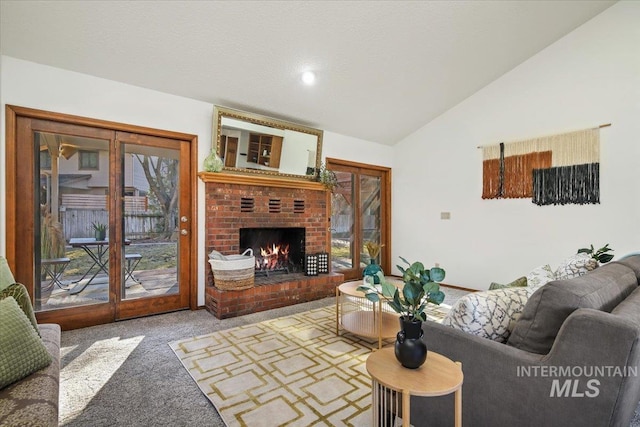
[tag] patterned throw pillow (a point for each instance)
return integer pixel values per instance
(575, 266)
(6, 276)
(540, 276)
(519, 282)
(488, 314)
(20, 294)
(21, 349)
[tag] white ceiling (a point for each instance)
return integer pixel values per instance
(384, 68)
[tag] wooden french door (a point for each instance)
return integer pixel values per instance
(360, 213)
(229, 151)
(71, 177)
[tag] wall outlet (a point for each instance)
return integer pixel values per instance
(445, 215)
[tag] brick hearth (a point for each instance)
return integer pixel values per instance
(234, 202)
(296, 289)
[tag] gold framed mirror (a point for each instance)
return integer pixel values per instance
(256, 144)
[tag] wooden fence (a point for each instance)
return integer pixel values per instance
(77, 223)
(96, 201)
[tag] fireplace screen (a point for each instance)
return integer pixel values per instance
(277, 250)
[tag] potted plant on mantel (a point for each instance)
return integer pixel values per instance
(421, 287)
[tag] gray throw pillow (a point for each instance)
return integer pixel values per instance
(549, 306)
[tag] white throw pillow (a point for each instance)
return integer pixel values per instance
(575, 266)
(540, 276)
(488, 314)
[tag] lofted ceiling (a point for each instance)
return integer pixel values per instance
(384, 68)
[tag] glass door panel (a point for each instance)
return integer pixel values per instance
(151, 194)
(370, 215)
(342, 222)
(71, 196)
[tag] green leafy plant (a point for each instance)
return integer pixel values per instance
(599, 255)
(99, 227)
(421, 286)
(327, 177)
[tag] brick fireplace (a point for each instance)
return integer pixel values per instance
(235, 202)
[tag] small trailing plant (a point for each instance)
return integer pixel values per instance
(327, 177)
(599, 255)
(421, 286)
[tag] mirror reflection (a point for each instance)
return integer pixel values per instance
(253, 143)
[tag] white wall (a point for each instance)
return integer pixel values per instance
(32, 85)
(339, 146)
(588, 78)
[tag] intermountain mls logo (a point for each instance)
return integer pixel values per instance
(575, 381)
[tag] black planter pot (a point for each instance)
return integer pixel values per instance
(410, 350)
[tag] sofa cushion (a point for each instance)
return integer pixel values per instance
(488, 314)
(6, 276)
(630, 307)
(519, 282)
(576, 265)
(549, 306)
(20, 294)
(21, 349)
(633, 262)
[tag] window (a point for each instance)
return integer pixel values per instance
(45, 159)
(88, 160)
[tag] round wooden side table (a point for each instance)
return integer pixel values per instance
(356, 314)
(393, 385)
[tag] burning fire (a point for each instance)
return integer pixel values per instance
(274, 257)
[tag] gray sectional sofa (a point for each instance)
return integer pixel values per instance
(572, 358)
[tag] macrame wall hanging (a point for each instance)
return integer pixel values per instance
(559, 169)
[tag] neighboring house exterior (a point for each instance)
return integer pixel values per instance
(87, 172)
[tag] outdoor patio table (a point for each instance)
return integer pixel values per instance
(98, 251)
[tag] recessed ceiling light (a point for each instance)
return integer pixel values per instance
(308, 77)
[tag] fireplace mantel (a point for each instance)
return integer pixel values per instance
(260, 180)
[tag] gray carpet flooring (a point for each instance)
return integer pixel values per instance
(125, 374)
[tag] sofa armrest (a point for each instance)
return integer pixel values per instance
(504, 385)
(595, 338)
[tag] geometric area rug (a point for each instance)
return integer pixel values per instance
(289, 371)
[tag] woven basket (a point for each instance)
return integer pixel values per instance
(235, 272)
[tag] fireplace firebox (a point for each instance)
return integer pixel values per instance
(277, 250)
